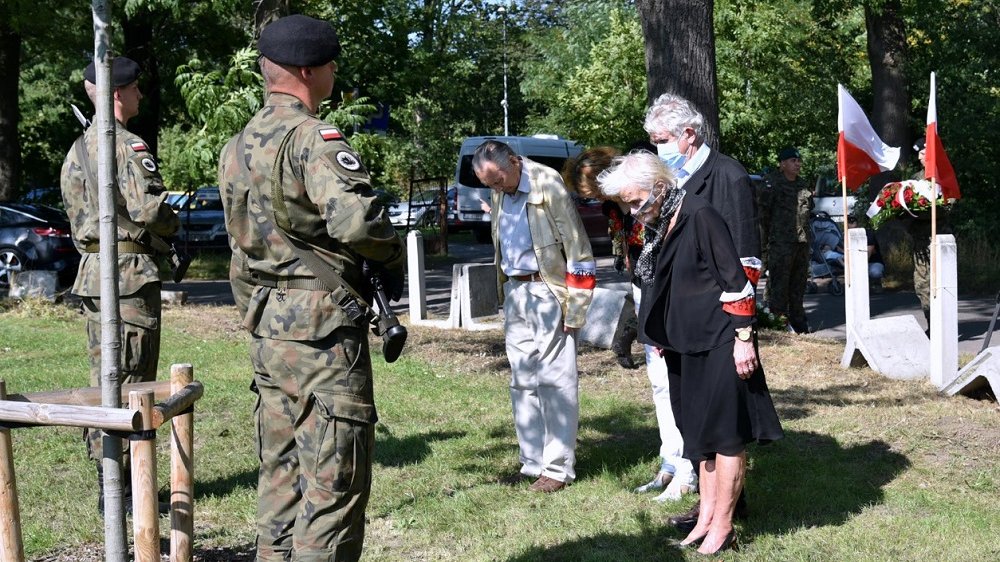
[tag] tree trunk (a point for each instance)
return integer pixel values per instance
(887, 58)
(138, 31)
(680, 55)
(10, 146)
(266, 11)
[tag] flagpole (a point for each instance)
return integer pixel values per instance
(933, 238)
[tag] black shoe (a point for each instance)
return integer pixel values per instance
(729, 543)
(626, 361)
(686, 522)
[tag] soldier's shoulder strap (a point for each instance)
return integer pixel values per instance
(138, 233)
(353, 303)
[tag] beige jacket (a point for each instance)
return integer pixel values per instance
(562, 248)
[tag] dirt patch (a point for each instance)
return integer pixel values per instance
(205, 322)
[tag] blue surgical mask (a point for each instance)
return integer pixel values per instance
(671, 155)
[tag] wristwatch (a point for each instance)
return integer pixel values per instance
(744, 334)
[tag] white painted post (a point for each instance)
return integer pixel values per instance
(415, 276)
(856, 306)
(944, 313)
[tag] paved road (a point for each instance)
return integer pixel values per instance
(825, 311)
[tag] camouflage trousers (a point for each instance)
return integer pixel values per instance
(788, 270)
(314, 417)
(922, 274)
(140, 340)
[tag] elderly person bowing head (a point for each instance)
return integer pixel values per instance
(698, 309)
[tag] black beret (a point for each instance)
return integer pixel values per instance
(299, 40)
(919, 145)
(124, 71)
(788, 152)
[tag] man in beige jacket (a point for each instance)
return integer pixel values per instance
(545, 281)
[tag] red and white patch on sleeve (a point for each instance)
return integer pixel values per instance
(743, 307)
(330, 134)
(138, 146)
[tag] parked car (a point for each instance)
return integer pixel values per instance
(178, 199)
(35, 237)
(50, 196)
(202, 219)
(421, 210)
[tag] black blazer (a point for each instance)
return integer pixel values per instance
(725, 184)
(680, 309)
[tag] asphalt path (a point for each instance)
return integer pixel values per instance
(825, 311)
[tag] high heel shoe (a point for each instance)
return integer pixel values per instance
(731, 542)
(693, 545)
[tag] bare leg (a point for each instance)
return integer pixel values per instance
(708, 488)
(728, 481)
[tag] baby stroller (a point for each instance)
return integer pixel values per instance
(826, 257)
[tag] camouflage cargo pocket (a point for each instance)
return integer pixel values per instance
(343, 441)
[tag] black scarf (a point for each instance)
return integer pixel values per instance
(645, 266)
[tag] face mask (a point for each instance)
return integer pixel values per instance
(641, 210)
(671, 155)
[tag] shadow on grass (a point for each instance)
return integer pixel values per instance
(797, 402)
(393, 451)
(653, 542)
(225, 486)
(810, 480)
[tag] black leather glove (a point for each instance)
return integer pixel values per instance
(393, 282)
(620, 264)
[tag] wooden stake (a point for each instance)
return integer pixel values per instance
(181, 471)
(73, 416)
(145, 508)
(11, 546)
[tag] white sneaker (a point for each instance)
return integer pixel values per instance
(675, 490)
(658, 482)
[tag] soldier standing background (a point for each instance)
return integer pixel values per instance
(142, 214)
(291, 184)
(919, 229)
(785, 205)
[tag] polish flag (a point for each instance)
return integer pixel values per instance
(936, 161)
(860, 153)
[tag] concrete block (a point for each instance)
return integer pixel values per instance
(981, 371)
(895, 346)
(856, 300)
(37, 284)
(944, 310)
(603, 317)
(417, 287)
(477, 286)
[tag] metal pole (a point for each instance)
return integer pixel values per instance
(115, 548)
(506, 120)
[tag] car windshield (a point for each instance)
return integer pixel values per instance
(206, 200)
(36, 212)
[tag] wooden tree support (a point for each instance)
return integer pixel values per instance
(79, 407)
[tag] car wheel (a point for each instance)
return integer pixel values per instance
(11, 261)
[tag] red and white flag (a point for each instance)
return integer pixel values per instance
(936, 161)
(860, 153)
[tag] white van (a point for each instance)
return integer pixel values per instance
(470, 194)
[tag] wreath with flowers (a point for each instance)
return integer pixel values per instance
(901, 198)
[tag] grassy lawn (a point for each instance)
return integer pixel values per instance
(871, 469)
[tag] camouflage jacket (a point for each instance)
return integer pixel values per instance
(329, 204)
(784, 209)
(140, 192)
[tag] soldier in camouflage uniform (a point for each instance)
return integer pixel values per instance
(315, 410)
(919, 230)
(785, 205)
(141, 200)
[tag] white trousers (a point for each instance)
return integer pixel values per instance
(671, 442)
(544, 386)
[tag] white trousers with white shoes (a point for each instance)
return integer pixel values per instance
(544, 386)
(671, 442)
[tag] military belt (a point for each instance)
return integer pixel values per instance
(124, 247)
(279, 282)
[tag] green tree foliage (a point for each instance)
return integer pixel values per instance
(958, 40)
(585, 77)
(779, 65)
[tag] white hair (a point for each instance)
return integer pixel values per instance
(638, 168)
(671, 113)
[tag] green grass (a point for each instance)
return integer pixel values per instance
(870, 469)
